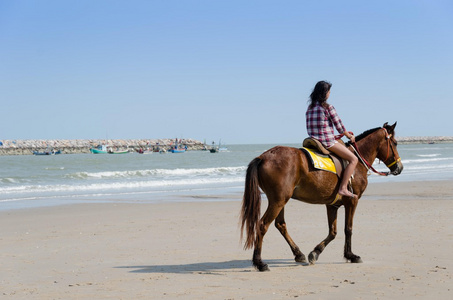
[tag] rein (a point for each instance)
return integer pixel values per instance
(365, 162)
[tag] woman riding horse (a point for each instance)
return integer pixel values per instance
(284, 172)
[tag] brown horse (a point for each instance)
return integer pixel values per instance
(283, 173)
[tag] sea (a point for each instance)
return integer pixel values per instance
(36, 181)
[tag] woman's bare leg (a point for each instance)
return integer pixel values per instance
(344, 153)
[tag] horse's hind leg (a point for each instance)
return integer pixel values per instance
(271, 213)
(281, 226)
(332, 221)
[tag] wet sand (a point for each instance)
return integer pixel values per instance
(402, 231)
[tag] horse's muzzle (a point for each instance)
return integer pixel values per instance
(396, 169)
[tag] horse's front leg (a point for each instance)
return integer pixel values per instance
(281, 226)
(350, 207)
(332, 221)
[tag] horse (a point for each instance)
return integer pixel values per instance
(283, 173)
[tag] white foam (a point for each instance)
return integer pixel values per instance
(159, 172)
(428, 155)
(27, 189)
(425, 160)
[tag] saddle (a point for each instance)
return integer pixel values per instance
(313, 145)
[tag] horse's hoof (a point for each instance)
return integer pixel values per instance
(300, 259)
(312, 257)
(356, 260)
(263, 268)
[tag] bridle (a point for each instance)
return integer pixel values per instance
(390, 145)
(368, 165)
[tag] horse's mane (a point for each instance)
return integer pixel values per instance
(363, 135)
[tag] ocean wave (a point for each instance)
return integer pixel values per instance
(426, 160)
(158, 173)
(429, 167)
(429, 155)
(8, 180)
(27, 189)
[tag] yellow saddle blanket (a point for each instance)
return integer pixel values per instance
(321, 162)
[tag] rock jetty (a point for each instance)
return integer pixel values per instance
(425, 140)
(27, 147)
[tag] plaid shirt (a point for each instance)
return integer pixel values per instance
(320, 124)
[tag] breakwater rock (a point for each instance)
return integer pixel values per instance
(425, 139)
(27, 147)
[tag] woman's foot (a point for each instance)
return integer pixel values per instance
(346, 193)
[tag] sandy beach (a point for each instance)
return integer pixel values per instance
(191, 250)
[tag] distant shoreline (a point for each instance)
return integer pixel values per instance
(26, 147)
(425, 140)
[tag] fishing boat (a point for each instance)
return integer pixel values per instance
(146, 151)
(118, 152)
(177, 150)
(215, 149)
(50, 152)
(102, 149)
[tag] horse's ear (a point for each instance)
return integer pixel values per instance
(385, 124)
(390, 129)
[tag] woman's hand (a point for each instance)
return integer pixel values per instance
(350, 136)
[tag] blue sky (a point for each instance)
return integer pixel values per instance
(240, 71)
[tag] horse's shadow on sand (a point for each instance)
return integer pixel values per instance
(209, 267)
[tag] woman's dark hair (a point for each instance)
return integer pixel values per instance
(319, 94)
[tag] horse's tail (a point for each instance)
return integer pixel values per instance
(251, 205)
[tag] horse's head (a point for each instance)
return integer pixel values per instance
(387, 151)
